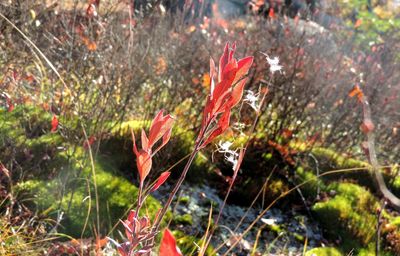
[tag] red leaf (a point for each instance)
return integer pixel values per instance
(165, 140)
(89, 142)
(367, 126)
(356, 91)
(243, 68)
(168, 245)
(131, 215)
(160, 125)
(212, 75)
(222, 125)
(296, 20)
(10, 105)
(134, 143)
(145, 141)
(231, 67)
(271, 13)
(54, 124)
(358, 23)
(163, 177)
(143, 164)
(226, 58)
(237, 93)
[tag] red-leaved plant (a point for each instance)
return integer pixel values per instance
(227, 85)
(226, 91)
(138, 229)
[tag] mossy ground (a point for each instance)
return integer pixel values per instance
(62, 184)
(348, 212)
(59, 181)
(324, 251)
(349, 215)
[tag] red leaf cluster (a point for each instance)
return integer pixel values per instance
(137, 230)
(226, 93)
(160, 128)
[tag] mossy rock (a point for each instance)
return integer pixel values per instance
(324, 251)
(350, 214)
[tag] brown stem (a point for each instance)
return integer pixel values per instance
(373, 159)
(176, 188)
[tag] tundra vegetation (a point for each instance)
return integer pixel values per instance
(200, 127)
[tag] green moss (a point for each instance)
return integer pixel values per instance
(267, 156)
(188, 244)
(210, 203)
(324, 251)
(185, 219)
(340, 161)
(395, 221)
(124, 129)
(350, 214)
(298, 237)
(310, 189)
(76, 198)
(184, 200)
(276, 187)
(277, 229)
(329, 160)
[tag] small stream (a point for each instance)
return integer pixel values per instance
(283, 233)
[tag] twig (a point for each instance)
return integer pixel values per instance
(379, 228)
(392, 199)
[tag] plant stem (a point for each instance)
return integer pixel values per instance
(139, 200)
(196, 149)
(176, 188)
